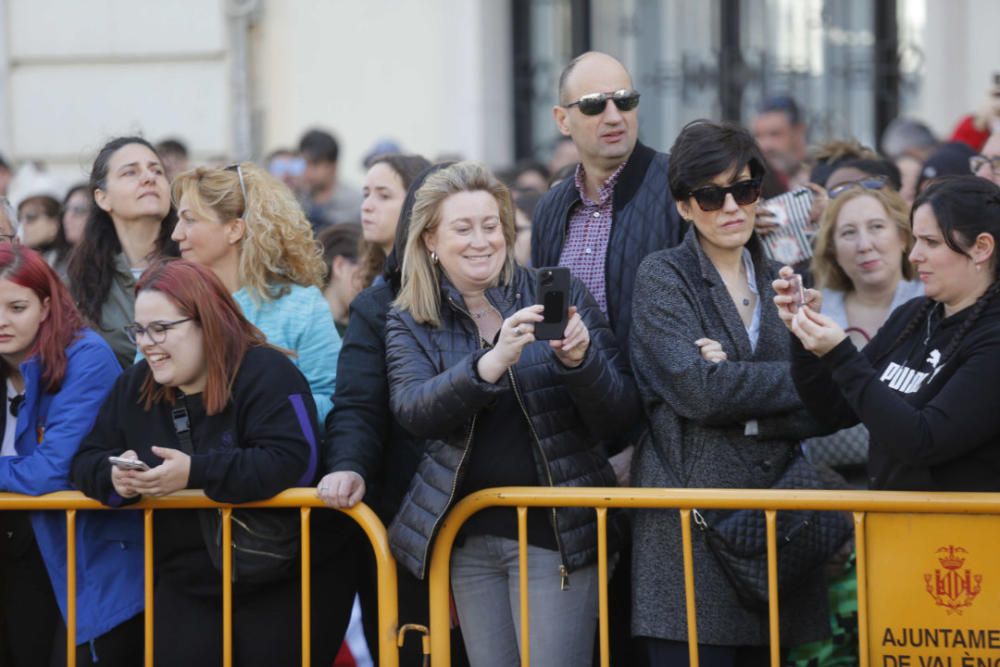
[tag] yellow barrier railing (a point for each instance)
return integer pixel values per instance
(601, 499)
(303, 499)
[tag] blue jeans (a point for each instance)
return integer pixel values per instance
(485, 582)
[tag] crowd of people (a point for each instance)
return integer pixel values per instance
(244, 329)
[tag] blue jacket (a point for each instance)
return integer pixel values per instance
(109, 547)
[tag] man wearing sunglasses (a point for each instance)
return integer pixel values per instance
(602, 223)
(617, 209)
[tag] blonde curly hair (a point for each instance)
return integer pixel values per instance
(277, 248)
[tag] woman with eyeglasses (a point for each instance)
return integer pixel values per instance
(248, 228)
(388, 178)
(923, 385)
(711, 362)
(55, 375)
(129, 227)
(251, 433)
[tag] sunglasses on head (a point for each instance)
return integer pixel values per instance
(593, 104)
(869, 183)
(713, 197)
(243, 187)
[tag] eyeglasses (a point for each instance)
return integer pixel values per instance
(869, 183)
(243, 185)
(713, 197)
(977, 162)
(157, 331)
(78, 210)
(595, 103)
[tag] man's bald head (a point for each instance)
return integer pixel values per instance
(587, 61)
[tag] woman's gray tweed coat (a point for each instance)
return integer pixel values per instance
(697, 410)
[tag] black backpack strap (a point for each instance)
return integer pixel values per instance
(182, 424)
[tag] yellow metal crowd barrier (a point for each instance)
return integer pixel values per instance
(303, 499)
(684, 500)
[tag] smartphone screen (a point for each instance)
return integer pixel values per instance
(555, 306)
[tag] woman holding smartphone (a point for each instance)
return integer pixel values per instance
(922, 385)
(251, 433)
(711, 362)
(497, 407)
(56, 374)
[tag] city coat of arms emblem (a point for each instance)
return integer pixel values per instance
(953, 587)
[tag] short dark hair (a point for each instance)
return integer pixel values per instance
(704, 149)
(319, 145)
(172, 146)
(786, 104)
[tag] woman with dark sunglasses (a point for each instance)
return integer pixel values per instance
(711, 362)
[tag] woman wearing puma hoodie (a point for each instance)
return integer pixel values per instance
(924, 385)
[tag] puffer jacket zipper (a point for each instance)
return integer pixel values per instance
(451, 496)
(563, 571)
(461, 461)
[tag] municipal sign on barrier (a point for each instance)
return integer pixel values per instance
(933, 590)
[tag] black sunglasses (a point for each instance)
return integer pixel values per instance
(713, 197)
(593, 104)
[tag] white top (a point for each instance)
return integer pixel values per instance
(10, 427)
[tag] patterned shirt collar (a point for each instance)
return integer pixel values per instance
(606, 190)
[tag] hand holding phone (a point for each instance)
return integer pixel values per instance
(128, 464)
(798, 291)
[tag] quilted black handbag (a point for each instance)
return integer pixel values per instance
(806, 539)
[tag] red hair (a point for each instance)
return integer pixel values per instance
(25, 267)
(199, 294)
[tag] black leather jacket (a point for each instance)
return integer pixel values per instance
(436, 393)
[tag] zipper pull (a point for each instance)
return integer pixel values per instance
(563, 578)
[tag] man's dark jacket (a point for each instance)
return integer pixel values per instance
(645, 220)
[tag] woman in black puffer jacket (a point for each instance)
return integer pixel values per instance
(498, 408)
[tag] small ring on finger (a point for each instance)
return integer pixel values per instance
(517, 330)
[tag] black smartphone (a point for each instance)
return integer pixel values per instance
(552, 291)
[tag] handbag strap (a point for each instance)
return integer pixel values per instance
(182, 424)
